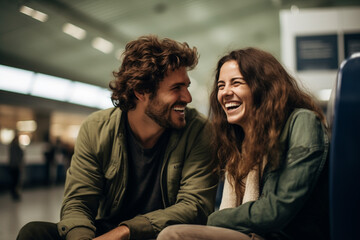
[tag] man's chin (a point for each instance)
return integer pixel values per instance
(179, 123)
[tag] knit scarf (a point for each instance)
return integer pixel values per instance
(251, 193)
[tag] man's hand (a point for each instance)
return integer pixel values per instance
(119, 233)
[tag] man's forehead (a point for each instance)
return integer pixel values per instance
(177, 76)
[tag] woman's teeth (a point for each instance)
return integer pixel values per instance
(232, 105)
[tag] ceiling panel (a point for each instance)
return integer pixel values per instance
(213, 26)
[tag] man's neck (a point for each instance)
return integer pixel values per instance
(146, 131)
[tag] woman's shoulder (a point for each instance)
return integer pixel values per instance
(303, 118)
(304, 126)
(303, 114)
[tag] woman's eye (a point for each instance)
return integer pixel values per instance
(220, 86)
(238, 83)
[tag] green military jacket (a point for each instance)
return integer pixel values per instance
(97, 178)
(294, 198)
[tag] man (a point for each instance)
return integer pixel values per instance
(144, 167)
(16, 162)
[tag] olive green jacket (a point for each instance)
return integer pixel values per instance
(294, 198)
(97, 178)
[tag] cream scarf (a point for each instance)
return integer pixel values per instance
(252, 189)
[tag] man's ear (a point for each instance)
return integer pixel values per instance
(140, 95)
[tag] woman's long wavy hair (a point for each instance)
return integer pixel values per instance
(145, 63)
(275, 95)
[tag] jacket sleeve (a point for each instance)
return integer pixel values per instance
(82, 190)
(195, 196)
(286, 189)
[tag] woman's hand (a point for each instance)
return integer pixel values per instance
(119, 233)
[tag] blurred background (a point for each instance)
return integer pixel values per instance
(57, 59)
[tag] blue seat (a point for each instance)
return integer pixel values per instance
(345, 153)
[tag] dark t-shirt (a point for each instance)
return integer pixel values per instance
(143, 193)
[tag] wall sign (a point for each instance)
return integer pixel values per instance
(317, 52)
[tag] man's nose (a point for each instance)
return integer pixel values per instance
(186, 96)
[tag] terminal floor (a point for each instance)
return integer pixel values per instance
(36, 204)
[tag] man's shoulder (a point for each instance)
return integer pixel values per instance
(104, 115)
(102, 125)
(194, 116)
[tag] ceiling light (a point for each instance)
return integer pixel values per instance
(24, 139)
(26, 126)
(51, 87)
(6, 135)
(26, 10)
(74, 31)
(90, 95)
(40, 16)
(104, 99)
(84, 94)
(102, 45)
(15, 80)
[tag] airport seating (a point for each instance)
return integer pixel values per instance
(345, 152)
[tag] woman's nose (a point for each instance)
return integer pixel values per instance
(227, 90)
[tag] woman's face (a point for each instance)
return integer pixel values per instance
(234, 94)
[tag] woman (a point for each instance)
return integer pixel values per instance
(271, 142)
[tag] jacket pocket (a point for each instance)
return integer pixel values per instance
(174, 172)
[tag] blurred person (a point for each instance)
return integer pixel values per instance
(57, 160)
(271, 144)
(58, 168)
(68, 152)
(49, 155)
(16, 162)
(143, 165)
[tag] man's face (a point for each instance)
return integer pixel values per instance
(167, 106)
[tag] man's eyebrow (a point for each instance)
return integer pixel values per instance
(181, 84)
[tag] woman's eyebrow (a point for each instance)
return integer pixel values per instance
(232, 79)
(235, 78)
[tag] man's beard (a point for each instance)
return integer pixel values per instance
(160, 113)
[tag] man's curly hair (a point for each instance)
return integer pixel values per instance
(145, 63)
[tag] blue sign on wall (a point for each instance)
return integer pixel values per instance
(317, 52)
